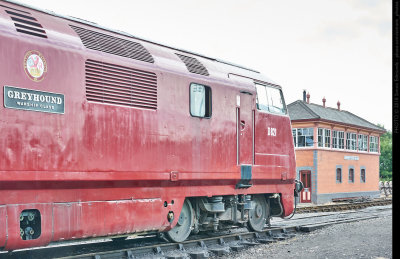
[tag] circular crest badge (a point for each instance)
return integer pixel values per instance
(35, 65)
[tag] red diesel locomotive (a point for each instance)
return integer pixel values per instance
(106, 134)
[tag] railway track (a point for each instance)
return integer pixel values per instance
(200, 246)
(344, 206)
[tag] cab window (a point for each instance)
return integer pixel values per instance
(200, 100)
(270, 99)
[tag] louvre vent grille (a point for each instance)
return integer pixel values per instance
(25, 23)
(193, 65)
(113, 45)
(113, 84)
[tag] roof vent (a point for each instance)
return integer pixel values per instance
(113, 45)
(193, 65)
(25, 23)
(118, 85)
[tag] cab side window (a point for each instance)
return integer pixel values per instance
(200, 100)
(270, 99)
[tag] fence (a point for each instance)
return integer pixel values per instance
(385, 188)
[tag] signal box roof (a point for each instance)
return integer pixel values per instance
(303, 111)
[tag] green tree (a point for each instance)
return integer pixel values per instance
(385, 160)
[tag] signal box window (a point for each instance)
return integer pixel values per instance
(303, 137)
(338, 139)
(351, 175)
(338, 175)
(200, 101)
(362, 175)
(362, 142)
(324, 137)
(270, 99)
(373, 144)
(351, 141)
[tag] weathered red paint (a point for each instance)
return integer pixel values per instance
(101, 170)
(245, 128)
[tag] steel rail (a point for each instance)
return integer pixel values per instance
(344, 206)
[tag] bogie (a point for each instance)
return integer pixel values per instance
(222, 212)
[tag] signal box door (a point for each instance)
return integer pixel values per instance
(305, 195)
(244, 129)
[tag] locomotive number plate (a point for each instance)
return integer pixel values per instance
(32, 100)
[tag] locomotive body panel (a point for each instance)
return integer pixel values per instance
(102, 169)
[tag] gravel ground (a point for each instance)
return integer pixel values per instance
(364, 239)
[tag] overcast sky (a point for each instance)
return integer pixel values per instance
(340, 50)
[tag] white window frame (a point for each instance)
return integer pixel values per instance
(325, 135)
(337, 139)
(306, 136)
(362, 142)
(341, 139)
(351, 141)
(373, 144)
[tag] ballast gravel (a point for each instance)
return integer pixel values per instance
(364, 239)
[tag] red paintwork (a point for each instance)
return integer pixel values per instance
(101, 170)
(246, 129)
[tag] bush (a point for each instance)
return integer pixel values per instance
(385, 176)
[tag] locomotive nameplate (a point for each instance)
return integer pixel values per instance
(32, 100)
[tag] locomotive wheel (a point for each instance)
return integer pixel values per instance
(184, 226)
(259, 214)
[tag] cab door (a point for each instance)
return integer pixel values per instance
(245, 138)
(245, 128)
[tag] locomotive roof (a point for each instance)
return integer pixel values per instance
(93, 24)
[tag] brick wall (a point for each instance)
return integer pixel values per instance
(328, 161)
